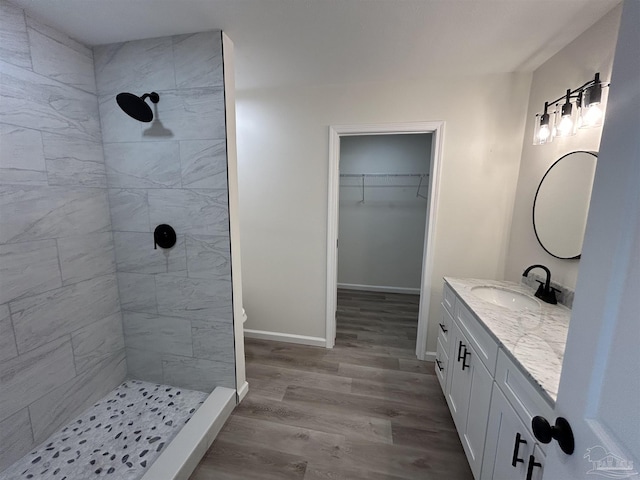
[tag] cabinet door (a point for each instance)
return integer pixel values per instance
(475, 429)
(468, 397)
(459, 383)
(509, 444)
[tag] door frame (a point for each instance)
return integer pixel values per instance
(436, 129)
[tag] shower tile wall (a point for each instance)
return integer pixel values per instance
(61, 337)
(177, 310)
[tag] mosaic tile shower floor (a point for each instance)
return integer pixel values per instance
(117, 438)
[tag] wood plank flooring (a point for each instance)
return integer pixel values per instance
(366, 409)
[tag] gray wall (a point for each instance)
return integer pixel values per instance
(177, 310)
(61, 342)
(382, 239)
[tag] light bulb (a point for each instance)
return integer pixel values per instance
(544, 133)
(566, 126)
(593, 116)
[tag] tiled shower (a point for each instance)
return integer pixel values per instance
(85, 300)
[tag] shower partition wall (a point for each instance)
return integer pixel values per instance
(176, 303)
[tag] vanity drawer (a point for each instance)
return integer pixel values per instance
(448, 298)
(442, 364)
(486, 347)
(444, 326)
(519, 390)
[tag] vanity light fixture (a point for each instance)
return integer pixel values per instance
(579, 108)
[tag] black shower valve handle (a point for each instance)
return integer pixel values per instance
(164, 236)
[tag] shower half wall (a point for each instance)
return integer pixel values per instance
(177, 303)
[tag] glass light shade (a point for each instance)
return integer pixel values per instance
(542, 129)
(591, 116)
(567, 120)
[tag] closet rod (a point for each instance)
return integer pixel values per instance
(384, 174)
(403, 185)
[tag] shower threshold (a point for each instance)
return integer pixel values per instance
(119, 437)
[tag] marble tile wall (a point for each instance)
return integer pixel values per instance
(61, 335)
(176, 303)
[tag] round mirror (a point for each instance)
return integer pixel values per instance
(562, 203)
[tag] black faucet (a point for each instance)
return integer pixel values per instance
(545, 292)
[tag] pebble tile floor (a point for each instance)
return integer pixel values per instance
(117, 438)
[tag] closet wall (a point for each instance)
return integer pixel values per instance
(381, 228)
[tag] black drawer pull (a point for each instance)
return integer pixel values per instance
(440, 367)
(460, 347)
(444, 330)
(532, 464)
(516, 448)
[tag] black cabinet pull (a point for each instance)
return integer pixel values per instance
(516, 448)
(460, 346)
(440, 367)
(444, 330)
(464, 358)
(532, 464)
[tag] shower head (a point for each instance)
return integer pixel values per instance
(136, 107)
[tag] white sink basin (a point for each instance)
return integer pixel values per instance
(506, 298)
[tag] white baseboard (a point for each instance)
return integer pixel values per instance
(429, 356)
(285, 337)
(182, 455)
(379, 288)
(242, 391)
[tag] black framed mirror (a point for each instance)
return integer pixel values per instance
(561, 204)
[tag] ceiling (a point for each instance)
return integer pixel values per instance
(314, 42)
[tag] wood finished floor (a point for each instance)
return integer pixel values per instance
(367, 409)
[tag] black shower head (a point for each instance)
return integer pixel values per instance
(136, 107)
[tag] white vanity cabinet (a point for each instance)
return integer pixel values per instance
(491, 400)
(468, 396)
(465, 362)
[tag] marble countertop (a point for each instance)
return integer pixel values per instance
(535, 339)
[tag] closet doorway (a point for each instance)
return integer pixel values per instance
(382, 196)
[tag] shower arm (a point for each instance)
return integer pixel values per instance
(153, 96)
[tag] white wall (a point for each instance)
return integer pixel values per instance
(283, 169)
(574, 65)
(382, 238)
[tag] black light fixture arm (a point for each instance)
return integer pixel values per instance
(576, 93)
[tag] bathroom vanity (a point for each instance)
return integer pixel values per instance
(499, 358)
